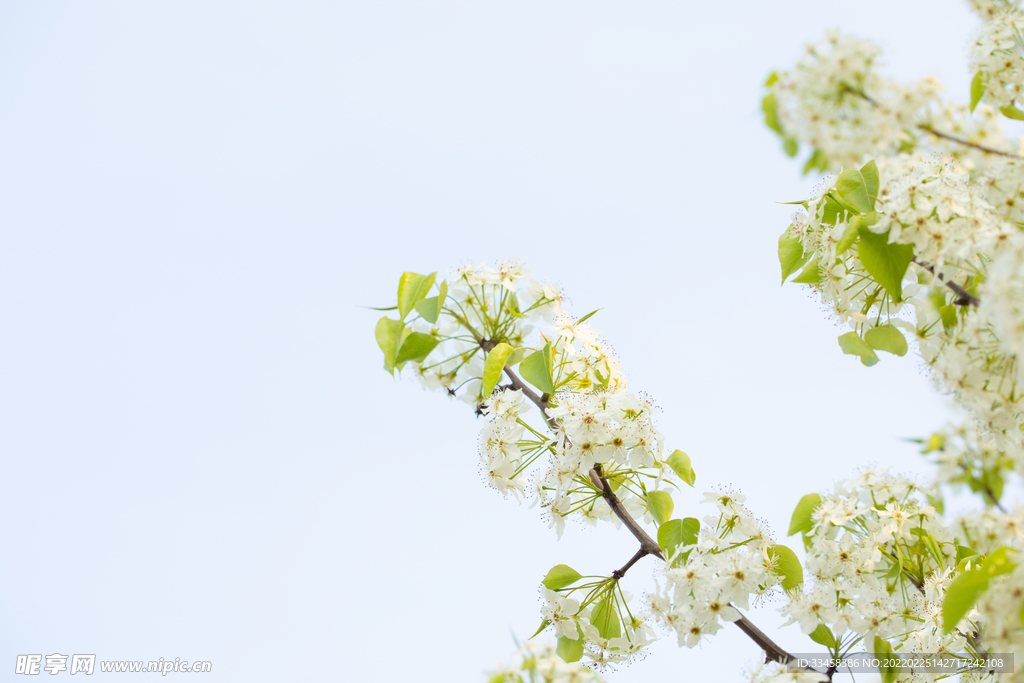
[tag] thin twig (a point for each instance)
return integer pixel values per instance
(648, 546)
(982, 148)
(619, 573)
(964, 298)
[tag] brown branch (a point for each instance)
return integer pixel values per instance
(648, 546)
(928, 129)
(964, 298)
(619, 573)
(945, 136)
(772, 652)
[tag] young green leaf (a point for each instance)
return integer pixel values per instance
(536, 369)
(786, 565)
(660, 504)
(810, 275)
(887, 669)
(771, 113)
(543, 625)
(869, 172)
(430, 308)
(389, 335)
(977, 90)
(833, 211)
(1011, 112)
(855, 346)
(801, 521)
(569, 650)
(790, 146)
(886, 338)
(560, 576)
(680, 464)
(948, 315)
(413, 287)
(605, 618)
(855, 189)
(817, 162)
(886, 263)
(493, 367)
(791, 253)
(966, 588)
(823, 636)
(677, 532)
(587, 316)
(416, 347)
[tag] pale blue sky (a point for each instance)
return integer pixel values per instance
(201, 455)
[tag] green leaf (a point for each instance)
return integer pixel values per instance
(977, 90)
(389, 336)
(888, 670)
(791, 253)
(1011, 112)
(869, 172)
(855, 189)
(852, 231)
(560, 576)
(790, 146)
(569, 650)
(660, 505)
(855, 346)
(886, 338)
(771, 113)
(966, 588)
(787, 566)
(416, 347)
(817, 162)
(833, 210)
(543, 625)
(517, 355)
(961, 596)
(411, 289)
(430, 308)
(801, 521)
(605, 618)
(493, 367)
(963, 552)
(810, 275)
(587, 316)
(886, 263)
(677, 532)
(948, 315)
(680, 464)
(823, 636)
(536, 369)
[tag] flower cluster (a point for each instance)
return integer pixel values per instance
(997, 57)
(835, 101)
(969, 457)
(707, 581)
(879, 559)
(536, 662)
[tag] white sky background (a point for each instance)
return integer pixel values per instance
(200, 453)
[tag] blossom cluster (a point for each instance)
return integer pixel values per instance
(878, 555)
(535, 662)
(835, 101)
(706, 583)
(997, 56)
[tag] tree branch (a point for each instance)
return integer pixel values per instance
(981, 148)
(964, 298)
(619, 573)
(772, 652)
(648, 546)
(928, 129)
